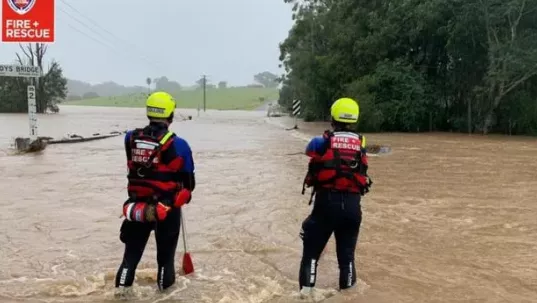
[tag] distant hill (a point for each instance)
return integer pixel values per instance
(82, 90)
(231, 98)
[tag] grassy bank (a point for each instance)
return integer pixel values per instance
(242, 98)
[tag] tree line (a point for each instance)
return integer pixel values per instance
(263, 79)
(416, 65)
(79, 90)
(53, 88)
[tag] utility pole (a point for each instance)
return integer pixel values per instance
(314, 95)
(204, 93)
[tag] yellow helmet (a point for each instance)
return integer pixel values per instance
(345, 110)
(160, 105)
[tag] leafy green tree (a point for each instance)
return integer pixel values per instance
(90, 95)
(164, 84)
(51, 87)
(148, 81)
(267, 79)
(416, 65)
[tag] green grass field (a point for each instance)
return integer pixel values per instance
(239, 98)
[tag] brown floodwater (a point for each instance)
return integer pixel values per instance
(450, 218)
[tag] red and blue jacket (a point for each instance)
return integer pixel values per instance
(338, 161)
(159, 164)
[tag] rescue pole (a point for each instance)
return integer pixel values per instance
(188, 265)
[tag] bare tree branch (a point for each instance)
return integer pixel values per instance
(24, 51)
(529, 11)
(513, 24)
(32, 53)
(525, 77)
(19, 59)
(521, 12)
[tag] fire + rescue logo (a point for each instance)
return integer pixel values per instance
(21, 7)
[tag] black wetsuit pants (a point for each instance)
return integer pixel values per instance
(340, 213)
(135, 236)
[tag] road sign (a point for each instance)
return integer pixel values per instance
(32, 109)
(20, 71)
(296, 107)
(28, 72)
(28, 21)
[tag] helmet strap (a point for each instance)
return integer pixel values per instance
(166, 121)
(170, 119)
(339, 126)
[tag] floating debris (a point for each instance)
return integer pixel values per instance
(25, 145)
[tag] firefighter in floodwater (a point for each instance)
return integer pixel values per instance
(337, 173)
(160, 181)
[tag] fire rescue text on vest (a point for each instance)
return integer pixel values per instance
(25, 29)
(142, 155)
(346, 143)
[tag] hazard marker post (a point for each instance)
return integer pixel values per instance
(296, 111)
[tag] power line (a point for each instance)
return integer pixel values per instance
(80, 22)
(90, 37)
(93, 22)
(204, 79)
(115, 37)
(152, 64)
(94, 39)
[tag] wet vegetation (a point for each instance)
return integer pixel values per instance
(232, 98)
(51, 89)
(416, 65)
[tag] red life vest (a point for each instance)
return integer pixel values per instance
(343, 166)
(153, 167)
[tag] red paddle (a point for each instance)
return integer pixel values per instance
(188, 266)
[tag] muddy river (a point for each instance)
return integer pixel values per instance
(451, 218)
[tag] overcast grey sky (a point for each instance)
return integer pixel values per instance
(225, 39)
